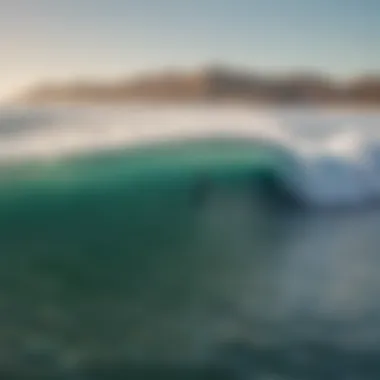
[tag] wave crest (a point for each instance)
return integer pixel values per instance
(324, 158)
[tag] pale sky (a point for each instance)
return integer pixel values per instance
(43, 40)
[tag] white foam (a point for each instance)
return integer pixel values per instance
(335, 155)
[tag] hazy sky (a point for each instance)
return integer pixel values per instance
(44, 39)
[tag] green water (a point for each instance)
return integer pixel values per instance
(113, 267)
(111, 259)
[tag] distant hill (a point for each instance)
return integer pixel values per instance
(214, 84)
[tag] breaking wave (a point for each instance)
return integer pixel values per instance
(323, 158)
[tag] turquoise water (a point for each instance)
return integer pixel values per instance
(171, 262)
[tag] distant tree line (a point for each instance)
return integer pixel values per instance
(216, 84)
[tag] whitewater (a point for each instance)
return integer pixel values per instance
(332, 156)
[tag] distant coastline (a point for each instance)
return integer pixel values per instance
(215, 84)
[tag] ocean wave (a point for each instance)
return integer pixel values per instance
(324, 158)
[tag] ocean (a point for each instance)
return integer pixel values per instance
(189, 242)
